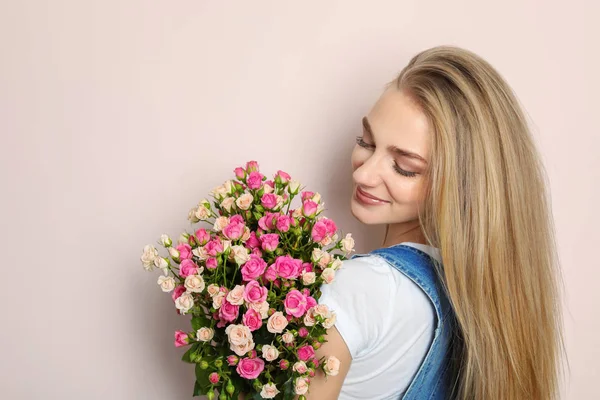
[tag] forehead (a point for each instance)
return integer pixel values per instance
(396, 119)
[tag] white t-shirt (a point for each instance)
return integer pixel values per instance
(387, 322)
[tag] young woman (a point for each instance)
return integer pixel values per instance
(462, 299)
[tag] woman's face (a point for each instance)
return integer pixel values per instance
(382, 164)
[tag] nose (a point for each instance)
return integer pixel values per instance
(368, 173)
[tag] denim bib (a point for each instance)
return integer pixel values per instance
(431, 381)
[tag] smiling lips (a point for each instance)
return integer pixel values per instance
(366, 198)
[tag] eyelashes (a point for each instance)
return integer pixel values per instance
(362, 143)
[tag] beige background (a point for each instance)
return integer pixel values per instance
(118, 116)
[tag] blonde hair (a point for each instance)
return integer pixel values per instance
(487, 210)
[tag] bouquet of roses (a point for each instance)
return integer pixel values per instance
(251, 282)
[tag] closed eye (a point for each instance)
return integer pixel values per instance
(362, 143)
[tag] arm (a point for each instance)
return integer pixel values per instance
(323, 387)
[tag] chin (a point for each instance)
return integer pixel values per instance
(363, 215)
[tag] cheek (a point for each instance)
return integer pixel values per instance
(406, 192)
(357, 158)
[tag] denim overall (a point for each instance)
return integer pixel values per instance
(432, 379)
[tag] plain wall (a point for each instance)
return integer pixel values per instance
(117, 117)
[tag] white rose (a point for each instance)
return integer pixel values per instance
(301, 386)
(220, 223)
(238, 334)
(162, 263)
(330, 321)
(165, 240)
(242, 349)
(324, 260)
(213, 290)
(269, 352)
(309, 317)
(174, 253)
(246, 234)
(205, 334)
(218, 300)
(300, 367)
(202, 213)
(184, 302)
(279, 203)
(192, 215)
(322, 310)
(328, 275)
(261, 308)
(297, 213)
(269, 391)
(148, 256)
(277, 322)
(236, 296)
(200, 252)
(228, 186)
(226, 245)
(240, 254)
(287, 337)
(267, 188)
(219, 192)
(348, 243)
(227, 203)
(194, 283)
(326, 240)
(317, 254)
(183, 238)
(331, 366)
(244, 201)
(308, 278)
(167, 283)
(336, 264)
(293, 187)
(316, 197)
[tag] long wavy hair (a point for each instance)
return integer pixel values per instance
(487, 208)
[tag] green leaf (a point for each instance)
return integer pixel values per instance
(197, 390)
(186, 356)
(199, 321)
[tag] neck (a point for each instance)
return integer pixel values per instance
(403, 232)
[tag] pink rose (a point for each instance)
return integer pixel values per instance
(303, 332)
(203, 236)
(253, 241)
(309, 208)
(306, 352)
(214, 247)
(331, 228)
(269, 200)
(232, 360)
(236, 218)
(211, 263)
(252, 320)
(239, 173)
(253, 268)
(254, 180)
(178, 291)
(307, 267)
(213, 378)
(271, 273)
(255, 293)
(282, 177)
(185, 251)
(251, 166)
(256, 252)
(319, 231)
(268, 221)
(283, 223)
(295, 303)
(310, 302)
(288, 267)
(188, 268)
(269, 241)
(250, 368)
(228, 312)
(306, 195)
(234, 230)
(181, 339)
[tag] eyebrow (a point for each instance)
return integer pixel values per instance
(394, 149)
